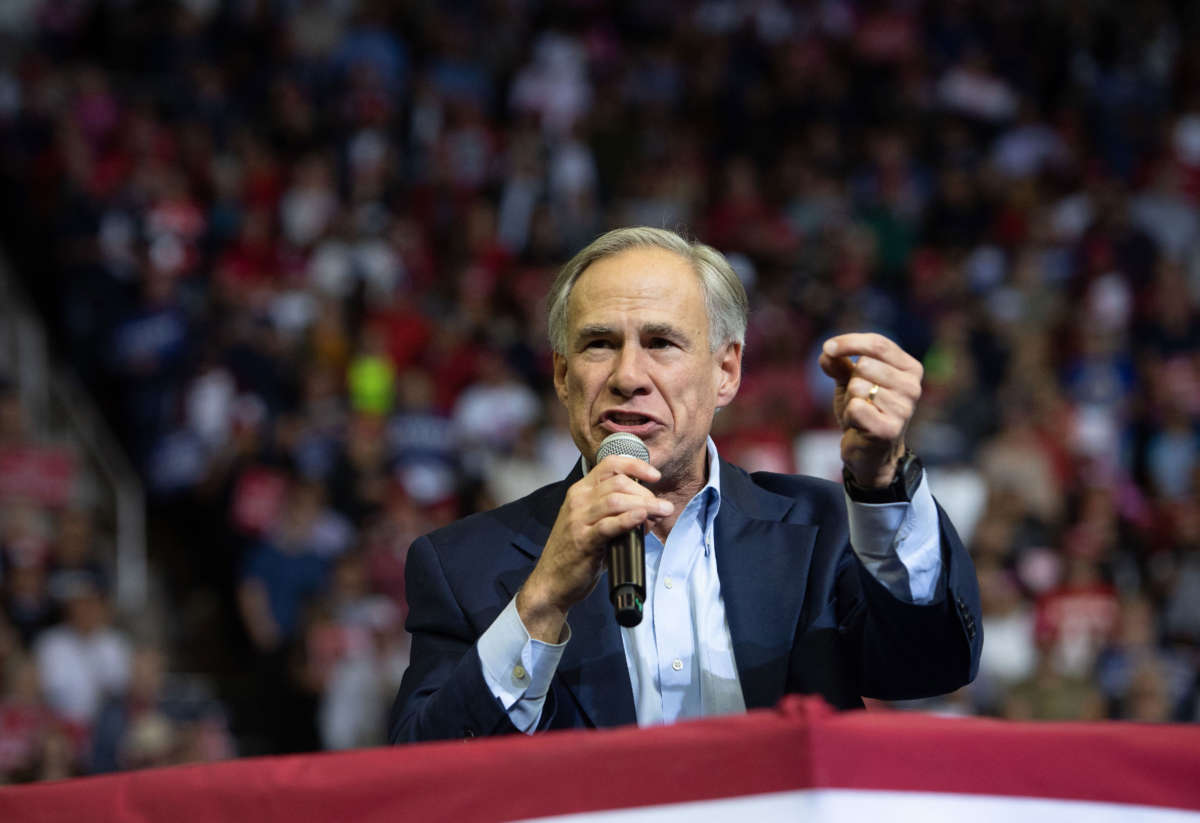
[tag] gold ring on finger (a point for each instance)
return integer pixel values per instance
(871, 394)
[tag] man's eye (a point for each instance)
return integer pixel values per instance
(660, 343)
(598, 344)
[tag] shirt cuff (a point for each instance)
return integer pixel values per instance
(899, 543)
(517, 668)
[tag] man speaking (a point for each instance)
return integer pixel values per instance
(756, 585)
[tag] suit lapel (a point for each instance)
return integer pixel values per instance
(593, 666)
(763, 565)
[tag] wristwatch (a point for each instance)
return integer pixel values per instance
(904, 485)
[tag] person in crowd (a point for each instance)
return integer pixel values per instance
(85, 659)
(156, 722)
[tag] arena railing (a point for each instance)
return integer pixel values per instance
(57, 405)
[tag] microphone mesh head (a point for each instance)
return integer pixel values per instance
(624, 443)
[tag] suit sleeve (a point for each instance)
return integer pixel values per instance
(904, 650)
(444, 694)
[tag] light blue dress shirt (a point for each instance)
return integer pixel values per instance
(680, 657)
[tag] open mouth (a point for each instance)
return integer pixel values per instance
(627, 421)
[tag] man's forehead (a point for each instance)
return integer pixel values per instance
(646, 312)
(639, 273)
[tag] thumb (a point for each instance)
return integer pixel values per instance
(841, 369)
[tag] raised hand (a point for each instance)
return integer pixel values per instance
(878, 386)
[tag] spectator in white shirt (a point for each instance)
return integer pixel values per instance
(84, 659)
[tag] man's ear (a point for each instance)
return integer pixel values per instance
(729, 377)
(560, 376)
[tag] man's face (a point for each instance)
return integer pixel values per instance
(638, 360)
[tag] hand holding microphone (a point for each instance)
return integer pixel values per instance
(605, 510)
(627, 551)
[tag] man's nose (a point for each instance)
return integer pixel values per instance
(629, 376)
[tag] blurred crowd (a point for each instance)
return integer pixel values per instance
(298, 248)
(78, 692)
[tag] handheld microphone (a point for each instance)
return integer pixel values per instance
(627, 553)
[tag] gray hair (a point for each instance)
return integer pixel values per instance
(724, 297)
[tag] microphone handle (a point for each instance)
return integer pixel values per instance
(627, 576)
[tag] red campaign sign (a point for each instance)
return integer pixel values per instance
(45, 475)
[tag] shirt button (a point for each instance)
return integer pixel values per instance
(668, 582)
(677, 664)
(519, 672)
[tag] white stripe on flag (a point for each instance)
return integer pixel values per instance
(821, 805)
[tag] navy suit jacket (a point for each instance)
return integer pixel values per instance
(804, 614)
